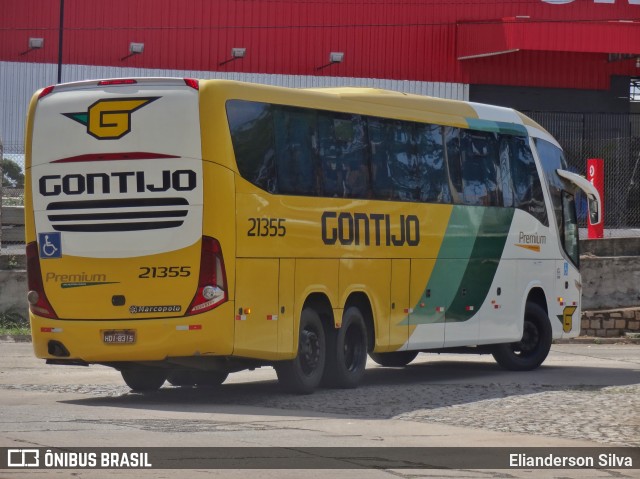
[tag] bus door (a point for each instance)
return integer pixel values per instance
(568, 285)
(400, 304)
(428, 301)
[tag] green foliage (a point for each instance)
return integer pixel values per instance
(13, 201)
(14, 322)
(12, 175)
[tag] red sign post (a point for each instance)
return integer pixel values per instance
(595, 174)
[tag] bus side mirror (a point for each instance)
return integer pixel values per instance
(594, 211)
(593, 197)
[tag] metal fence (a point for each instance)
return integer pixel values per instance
(12, 174)
(616, 139)
(11, 199)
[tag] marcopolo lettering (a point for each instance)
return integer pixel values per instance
(363, 229)
(116, 182)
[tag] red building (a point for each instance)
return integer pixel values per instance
(558, 55)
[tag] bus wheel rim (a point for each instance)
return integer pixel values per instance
(309, 351)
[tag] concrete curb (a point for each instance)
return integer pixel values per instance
(597, 340)
(18, 338)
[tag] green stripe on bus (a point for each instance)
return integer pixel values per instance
(483, 264)
(451, 264)
(467, 262)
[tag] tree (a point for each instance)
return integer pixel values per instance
(12, 175)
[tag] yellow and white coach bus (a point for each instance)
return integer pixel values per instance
(181, 230)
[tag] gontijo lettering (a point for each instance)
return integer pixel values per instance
(116, 182)
(361, 228)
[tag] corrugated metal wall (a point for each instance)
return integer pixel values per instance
(18, 82)
(396, 39)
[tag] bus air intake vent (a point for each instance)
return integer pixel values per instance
(97, 216)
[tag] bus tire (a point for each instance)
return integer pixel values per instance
(533, 348)
(144, 379)
(347, 352)
(396, 359)
(302, 375)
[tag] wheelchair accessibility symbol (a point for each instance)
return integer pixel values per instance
(50, 245)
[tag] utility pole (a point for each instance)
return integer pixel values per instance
(60, 32)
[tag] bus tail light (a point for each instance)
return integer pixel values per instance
(38, 302)
(212, 284)
(190, 82)
(117, 81)
(45, 91)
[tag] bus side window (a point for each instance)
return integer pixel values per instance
(526, 182)
(430, 159)
(331, 167)
(294, 131)
(404, 162)
(351, 131)
(505, 177)
(344, 155)
(453, 163)
(382, 182)
(251, 126)
(479, 168)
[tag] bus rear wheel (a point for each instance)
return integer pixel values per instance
(396, 359)
(302, 375)
(144, 379)
(533, 348)
(347, 352)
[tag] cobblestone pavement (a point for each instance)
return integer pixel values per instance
(606, 415)
(587, 395)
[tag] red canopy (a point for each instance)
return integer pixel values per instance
(481, 39)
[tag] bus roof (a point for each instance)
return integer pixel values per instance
(392, 104)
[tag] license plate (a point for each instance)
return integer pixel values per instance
(126, 336)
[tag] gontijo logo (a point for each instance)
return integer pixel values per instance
(110, 119)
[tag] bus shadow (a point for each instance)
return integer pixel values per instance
(384, 392)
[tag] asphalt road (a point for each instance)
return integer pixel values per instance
(583, 396)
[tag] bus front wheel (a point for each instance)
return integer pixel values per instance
(144, 379)
(302, 375)
(533, 348)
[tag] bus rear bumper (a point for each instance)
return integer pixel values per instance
(208, 334)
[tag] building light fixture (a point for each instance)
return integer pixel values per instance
(136, 48)
(336, 57)
(36, 43)
(236, 54)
